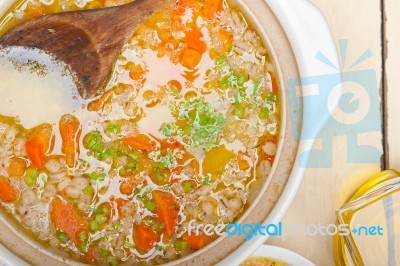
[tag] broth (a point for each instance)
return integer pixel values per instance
(186, 125)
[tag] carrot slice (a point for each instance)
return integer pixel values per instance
(127, 185)
(136, 72)
(7, 191)
(144, 237)
(140, 142)
(34, 11)
(70, 131)
(226, 39)
(118, 203)
(68, 219)
(17, 167)
(197, 242)
(38, 144)
(211, 7)
(190, 58)
(36, 152)
(90, 256)
(179, 10)
(193, 41)
(166, 210)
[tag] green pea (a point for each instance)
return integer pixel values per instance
(62, 237)
(181, 244)
(100, 218)
(93, 225)
(151, 206)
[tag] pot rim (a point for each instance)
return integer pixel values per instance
(249, 11)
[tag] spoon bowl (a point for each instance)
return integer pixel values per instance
(87, 41)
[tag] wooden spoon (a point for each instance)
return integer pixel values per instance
(89, 41)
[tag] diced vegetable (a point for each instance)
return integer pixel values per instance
(70, 130)
(264, 113)
(88, 190)
(7, 192)
(113, 262)
(166, 210)
(193, 40)
(136, 72)
(140, 142)
(97, 176)
(197, 242)
(221, 62)
(62, 236)
(68, 219)
(94, 142)
(150, 206)
(34, 11)
(118, 203)
(127, 185)
(181, 244)
(17, 167)
(103, 252)
(31, 176)
(38, 144)
(211, 7)
(154, 225)
(100, 218)
(190, 58)
(175, 86)
(114, 128)
(226, 39)
(243, 163)
(158, 175)
(144, 237)
(188, 186)
(117, 225)
(89, 256)
(97, 104)
(93, 225)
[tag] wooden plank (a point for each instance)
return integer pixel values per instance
(324, 190)
(392, 12)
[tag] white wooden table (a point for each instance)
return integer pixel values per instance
(324, 190)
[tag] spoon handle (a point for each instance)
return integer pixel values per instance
(120, 21)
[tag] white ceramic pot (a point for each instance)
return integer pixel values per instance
(292, 43)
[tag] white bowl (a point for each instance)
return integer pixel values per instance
(282, 255)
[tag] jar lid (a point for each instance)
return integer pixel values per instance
(369, 223)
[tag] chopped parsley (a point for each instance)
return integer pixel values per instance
(167, 130)
(167, 161)
(197, 123)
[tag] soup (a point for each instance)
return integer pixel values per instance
(187, 124)
(261, 261)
